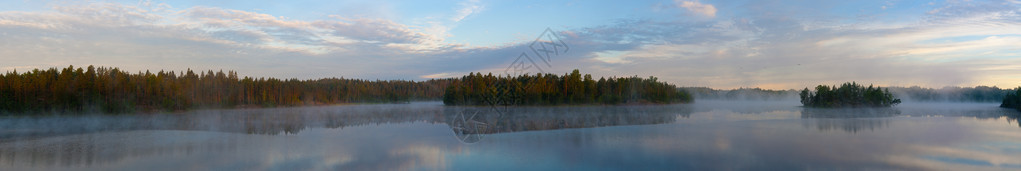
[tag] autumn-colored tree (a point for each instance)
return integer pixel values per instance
(550, 89)
(111, 90)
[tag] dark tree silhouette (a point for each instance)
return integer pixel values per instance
(549, 89)
(112, 90)
(1012, 99)
(848, 95)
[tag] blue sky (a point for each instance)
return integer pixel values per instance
(722, 44)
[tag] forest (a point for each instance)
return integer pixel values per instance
(1012, 99)
(848, 95)
(111, 90)
(551, 89)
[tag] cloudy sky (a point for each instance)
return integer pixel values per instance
(720, 44)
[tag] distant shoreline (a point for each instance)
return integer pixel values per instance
(113, 91)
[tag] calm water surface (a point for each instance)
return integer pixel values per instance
(429, 136)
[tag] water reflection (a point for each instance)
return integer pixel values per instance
(855, 120)
(88, 140)
(1012, 117)
(982, 111)
(466, 122)
(251, 121)
(467, 128)
(849, 113)
(853, 125)
(706, 136)
(470, 124)
(850, 120)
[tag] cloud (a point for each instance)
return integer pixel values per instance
(467, 9)
(784, 51)
(158, 37)
(316, 37)
(696, 7)
(774, 46)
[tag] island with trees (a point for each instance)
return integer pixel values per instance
(848, 95)
(1012, 99)
(570, 89)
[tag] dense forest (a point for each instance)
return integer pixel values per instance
(848, 95)
(1012, 99)
(112, 90)
(550, 89)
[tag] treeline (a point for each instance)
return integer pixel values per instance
(848, 95)
(550, 89)
(741, 94)
(1012, 99)
(913, 93)
(951, 94)
(112, 90)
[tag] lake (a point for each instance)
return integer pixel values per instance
(706, 135)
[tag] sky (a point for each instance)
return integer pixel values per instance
(772, 44)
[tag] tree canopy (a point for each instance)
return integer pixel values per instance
(550, 89)
(1012, 99)
(112, 90)
(848, 95)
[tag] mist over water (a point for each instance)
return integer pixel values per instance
(577, 85)
(708, 134)
(980, 94)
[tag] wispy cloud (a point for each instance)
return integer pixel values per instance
(141, 37)
(696, 7)
(944, 50)
(467, 9)
(771, 46)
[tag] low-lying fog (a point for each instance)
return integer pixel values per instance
(764, 134)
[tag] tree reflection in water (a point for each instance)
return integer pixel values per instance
(470, 124)
(854, 120)
(363, 135)
(76, 140)
(981, 111)
(1013, 118)
(271, 121)
(467, 123)
(466, 128)
(850, 120)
